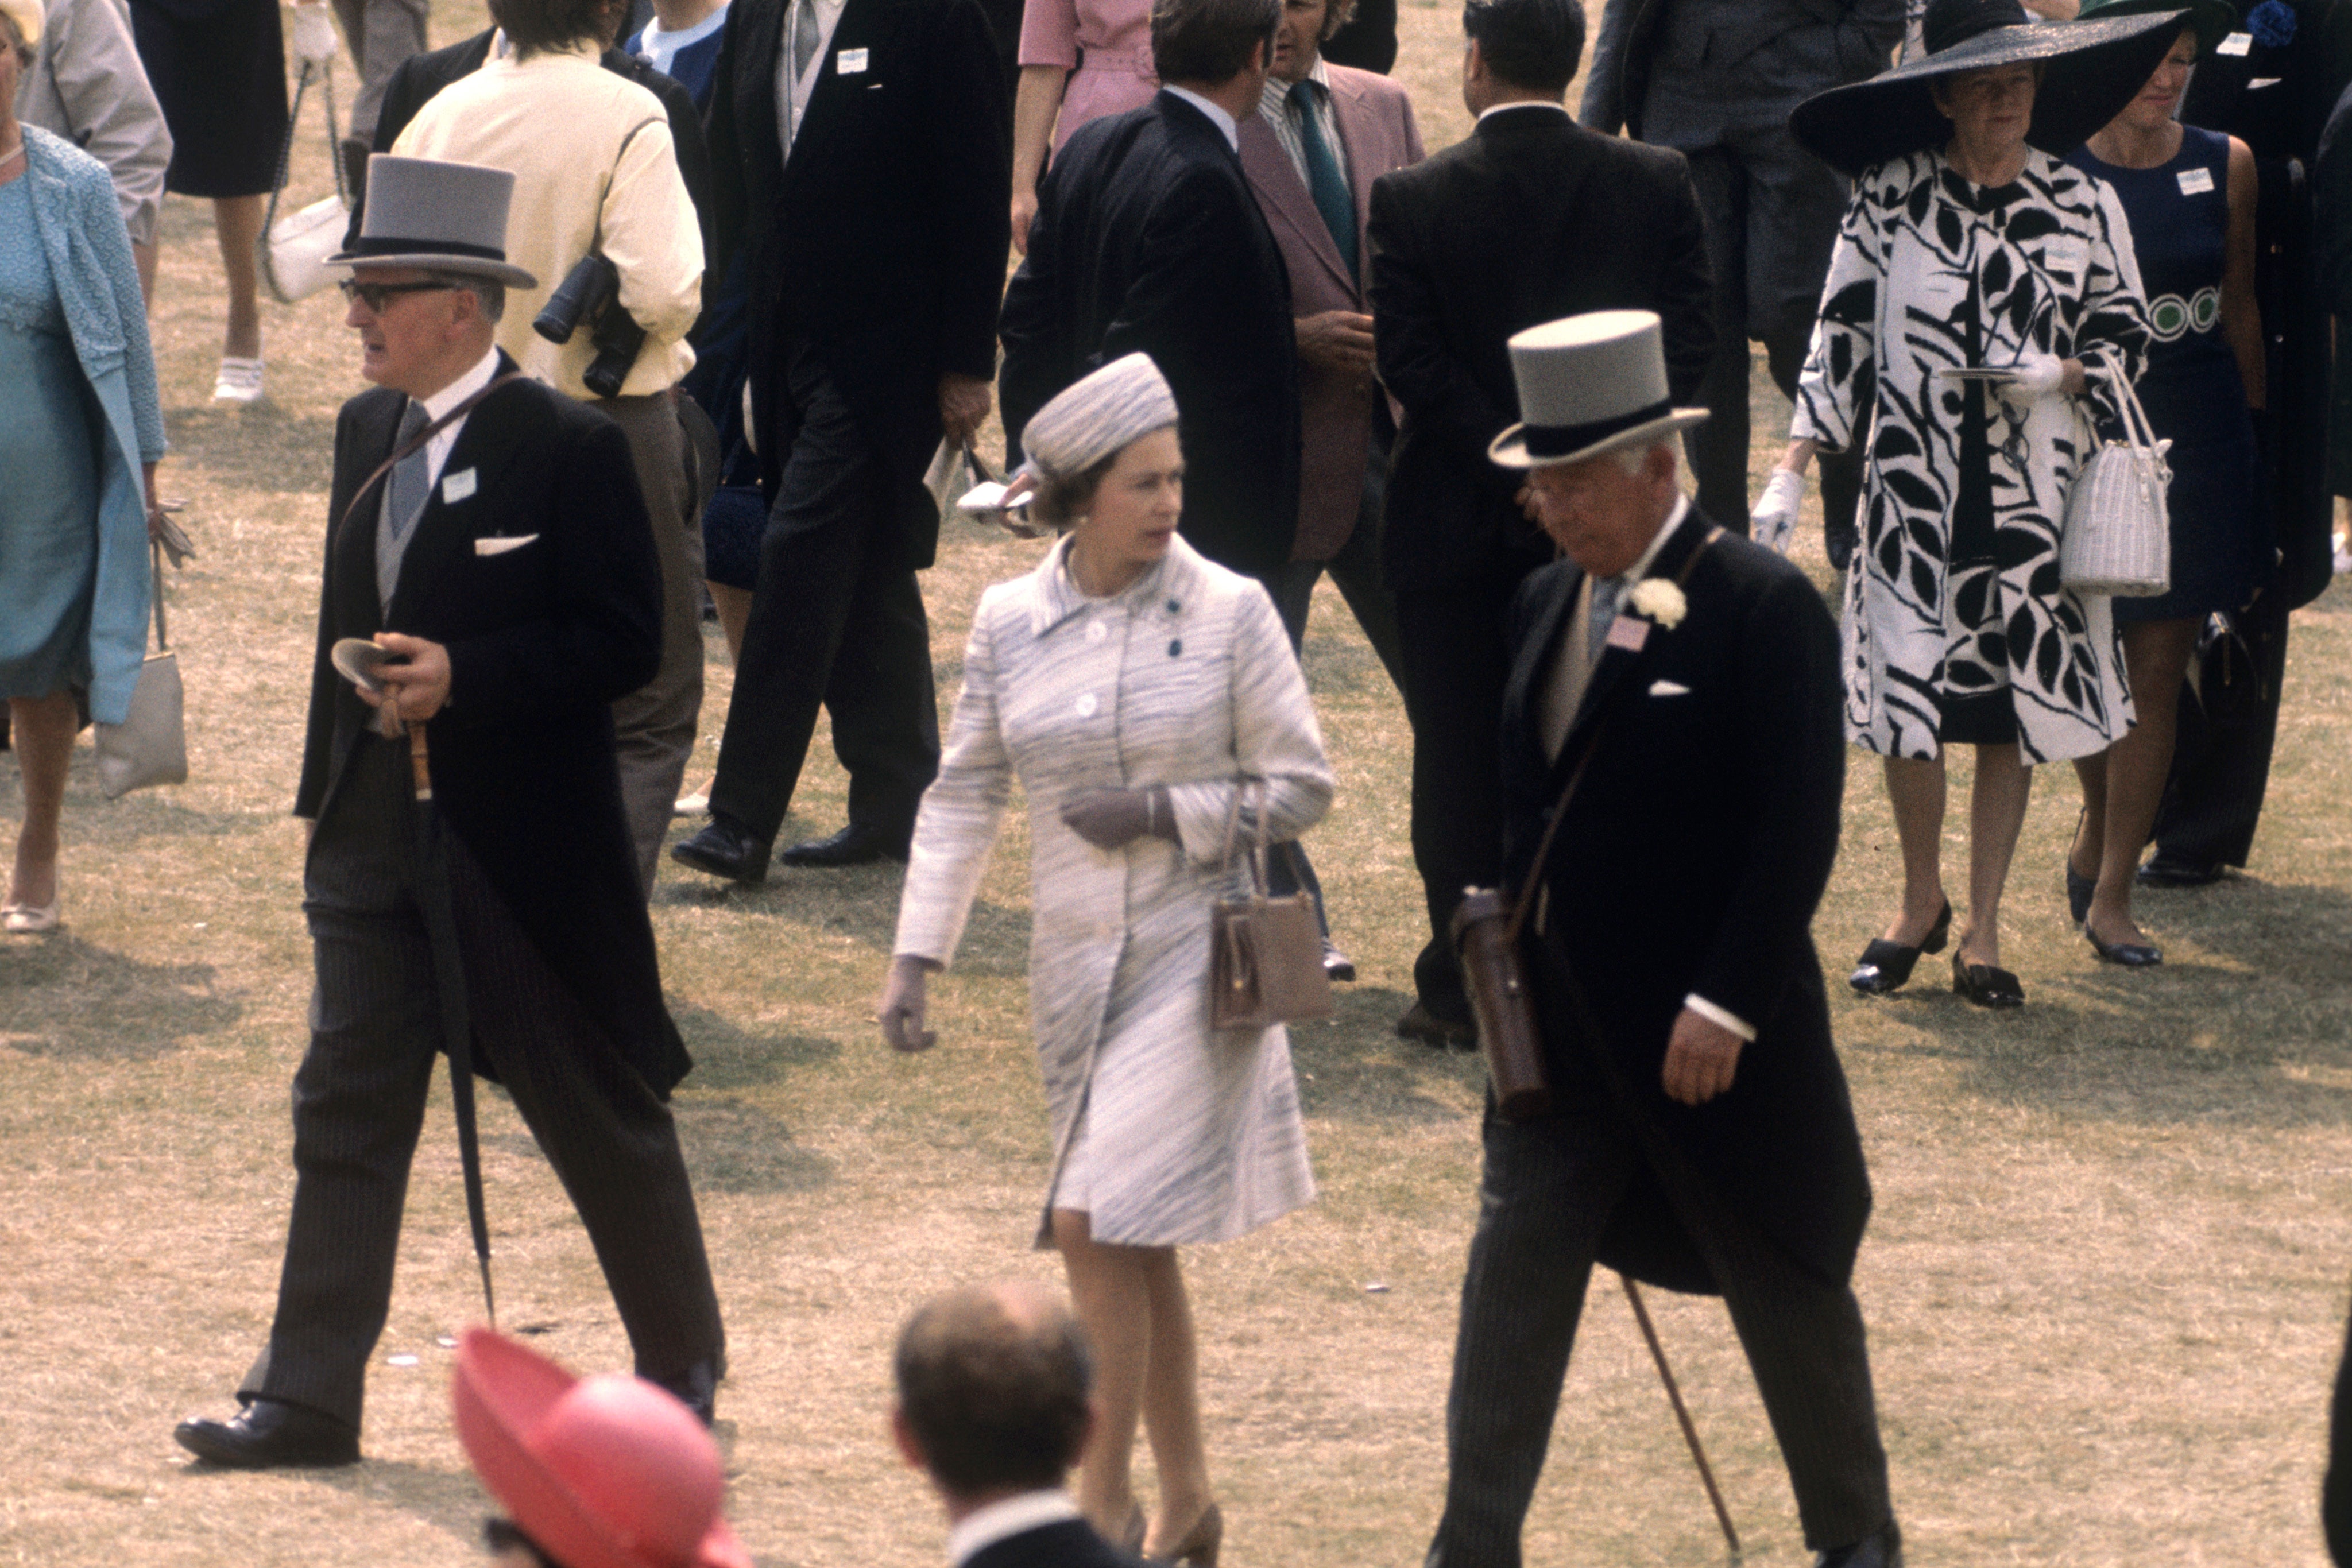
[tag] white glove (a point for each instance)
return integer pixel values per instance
(1774, 520)
(314, 34)
(2031, 378)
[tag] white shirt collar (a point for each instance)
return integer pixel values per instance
(1217, 115)
(1558, 109)
(1001, 1521)
(1635, 572)
(653, 40)
(1273, 98)
(464, 387)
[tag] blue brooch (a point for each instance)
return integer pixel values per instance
(2273, 24)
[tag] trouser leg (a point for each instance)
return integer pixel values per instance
(824, 519)
(880, 697)
(654, 726)
(1356, 572)
(1291, 586)
(359, 1095)
(609, 1137)
(1456, 664)
(1548, 1189)
(2220, 769)
(1717, 450)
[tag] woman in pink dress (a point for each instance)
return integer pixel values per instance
(1080, 59)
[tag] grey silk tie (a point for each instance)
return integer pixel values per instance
(404, 502)
(807, 33)
(1606, 594)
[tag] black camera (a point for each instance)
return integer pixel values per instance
(591, 292)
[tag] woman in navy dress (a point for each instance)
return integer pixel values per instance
(2190, 196)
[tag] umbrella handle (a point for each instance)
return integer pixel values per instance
(420, 773)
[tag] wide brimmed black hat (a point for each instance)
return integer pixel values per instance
(2214, 20)
(2092, 69)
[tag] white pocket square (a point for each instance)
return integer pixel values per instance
(498, 544)
(1668, 689)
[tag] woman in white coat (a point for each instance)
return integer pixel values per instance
(1132, 688)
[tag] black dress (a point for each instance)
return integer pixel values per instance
(218, 68)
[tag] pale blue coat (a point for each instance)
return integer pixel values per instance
(89, 257)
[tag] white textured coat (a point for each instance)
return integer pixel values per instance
(1184, 680)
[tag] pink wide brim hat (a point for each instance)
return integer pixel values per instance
(600, 1473)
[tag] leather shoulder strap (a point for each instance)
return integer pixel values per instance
(424, 436)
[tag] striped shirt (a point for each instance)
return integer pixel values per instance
(1276, 107)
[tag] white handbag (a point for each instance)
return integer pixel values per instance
(2117, 536)
(295, 248)
(150, 746)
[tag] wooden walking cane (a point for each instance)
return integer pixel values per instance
(1682, 1412)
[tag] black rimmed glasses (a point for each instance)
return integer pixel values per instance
(376, 296)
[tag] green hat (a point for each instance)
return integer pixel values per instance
(2211, 20)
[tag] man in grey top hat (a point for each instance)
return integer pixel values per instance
(1674, 700)
(487, 531)
(1715, 79)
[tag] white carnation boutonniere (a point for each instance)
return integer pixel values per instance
(1662, 601)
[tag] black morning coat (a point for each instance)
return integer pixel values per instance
(885, 238)
(419, 77)
(542, 638)
(1691, 860)
(1067, 1544)
(1529, 218)
(1147, 238)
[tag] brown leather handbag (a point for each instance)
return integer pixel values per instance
(1266, 954)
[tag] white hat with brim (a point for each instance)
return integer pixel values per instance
(443, 218)
(1588, 384)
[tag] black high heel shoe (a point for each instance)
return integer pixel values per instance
(2130, 955)
(1985, 985)
(1886, 965)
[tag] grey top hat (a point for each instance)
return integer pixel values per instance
(1588, 384)
(449, 217)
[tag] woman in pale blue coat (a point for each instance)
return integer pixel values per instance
(80, 431)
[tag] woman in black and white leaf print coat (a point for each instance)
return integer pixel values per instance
(1985, 254)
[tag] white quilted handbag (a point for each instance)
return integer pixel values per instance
(295, 248)
(2117, 538)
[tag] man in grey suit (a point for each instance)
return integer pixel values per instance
(1715, 79)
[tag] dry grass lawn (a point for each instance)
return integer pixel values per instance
(2107, 1275)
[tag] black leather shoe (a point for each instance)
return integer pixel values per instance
(697, 1388)
(1987, 987)
(1442, 1033)
(856, 844)
(725, 848)
(2165, 871)
(1882, 1548)
(1885, 965)
(268, 1435)
(1337, 967)
(2130, 955)
(2079, 890)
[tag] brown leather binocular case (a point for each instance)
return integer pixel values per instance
(1486, 934)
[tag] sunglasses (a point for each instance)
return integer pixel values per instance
(376, 296)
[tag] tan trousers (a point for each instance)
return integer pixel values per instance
(654, 723)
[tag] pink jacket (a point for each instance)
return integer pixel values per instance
(1115, 73)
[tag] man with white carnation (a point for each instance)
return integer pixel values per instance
(1674, 701)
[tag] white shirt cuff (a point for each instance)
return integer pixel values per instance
(1724, 1016)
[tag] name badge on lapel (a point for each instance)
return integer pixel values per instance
(456, 487)
(849, 62)
(1629, 632)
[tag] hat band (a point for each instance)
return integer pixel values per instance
(385, 244)
(1560, 440)
(1955, 25)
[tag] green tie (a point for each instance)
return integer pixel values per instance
(1323, 181)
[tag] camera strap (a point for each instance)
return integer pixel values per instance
(409, 448)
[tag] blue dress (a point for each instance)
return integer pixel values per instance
(48, 450)
(2179, 215)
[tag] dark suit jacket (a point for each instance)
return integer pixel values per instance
(542, 638)
(1072, 1543)
(2282, 121)
(1147, 238)
(421, 76)
(1335, 412)
(1737, 63)
(885, 238)
(1531, 218)
(1691, 860)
